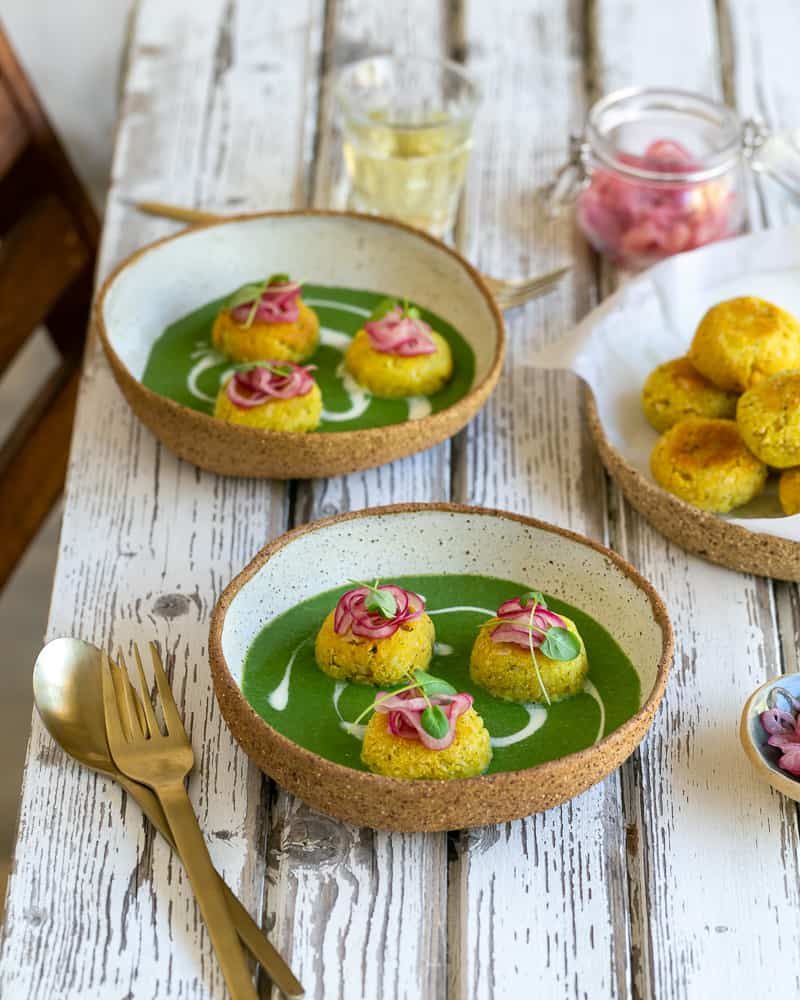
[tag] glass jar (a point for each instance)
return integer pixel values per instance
(657, 172)
(407, 134)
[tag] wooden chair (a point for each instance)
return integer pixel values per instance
(48, 244)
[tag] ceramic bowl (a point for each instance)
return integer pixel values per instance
(763, 757)
(436, 538)
(167, 279)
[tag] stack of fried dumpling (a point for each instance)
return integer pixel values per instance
(730, 409)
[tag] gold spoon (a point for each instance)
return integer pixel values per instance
(68, 693)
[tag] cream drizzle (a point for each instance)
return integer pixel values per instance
(591, 690)
(537, 716)
(351, 728)
(359, 398)
(418, 407)
(279, 697)
(334, 338)
(206, 362)
(342, 306)
(462, 607)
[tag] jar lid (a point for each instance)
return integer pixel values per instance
(665, 113)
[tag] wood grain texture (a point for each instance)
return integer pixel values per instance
(762, 83)
(676, 877)
(693, 809)
(97, 907)
(538, 905)
(361, 913)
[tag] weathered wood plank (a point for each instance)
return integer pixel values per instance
(97, 907)
(763, 84)
(692, 806)
(363, 913)
(537, 905)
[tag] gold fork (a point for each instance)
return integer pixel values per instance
(250, 933)
(162, 762)
(512, 292)
(508, 292)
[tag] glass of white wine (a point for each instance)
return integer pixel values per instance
(407, 124)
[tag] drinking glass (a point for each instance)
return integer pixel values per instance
(407, 124)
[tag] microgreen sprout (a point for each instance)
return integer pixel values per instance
(248, 293)
(252, 293)
(385, 306)
(539, 678)
(560, 644)
(382, 601)
(427, 685)
(534, 596)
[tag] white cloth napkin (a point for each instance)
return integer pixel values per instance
(653, 317)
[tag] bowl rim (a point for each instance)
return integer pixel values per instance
(781, 782)
(739, 548)
(327, 769)
(258, 436)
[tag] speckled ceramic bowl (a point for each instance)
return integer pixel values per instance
(166, 280)
(435, 538)
(763, 757)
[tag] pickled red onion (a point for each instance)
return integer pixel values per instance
(262, 383)
(400, 334)
(516, 623)
(276, 304)
(404, 711)
(637, 222)
(351, 614)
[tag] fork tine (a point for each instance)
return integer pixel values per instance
(137, 717)
(168, 707)
(147, 705)
(513, 293)
(519, 298)
(137, 705)
(114, 733)
(128, 716)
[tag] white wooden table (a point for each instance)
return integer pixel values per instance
(678, 876)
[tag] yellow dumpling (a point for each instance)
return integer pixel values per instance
(676, 390)
(467, 756)
(262, 341)
(393, 377)
(706, 463)
(351, 657)
(789, 491)
(507, 670)
(299, 414)
(743, 340)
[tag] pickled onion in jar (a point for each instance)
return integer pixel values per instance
(637, 222)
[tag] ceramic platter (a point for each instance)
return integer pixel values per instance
(464, 560)
(154, 314)
(651, 319)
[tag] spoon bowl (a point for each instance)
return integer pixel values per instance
(763, 757)
(68, 696)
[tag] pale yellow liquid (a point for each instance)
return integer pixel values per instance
(414, 174)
